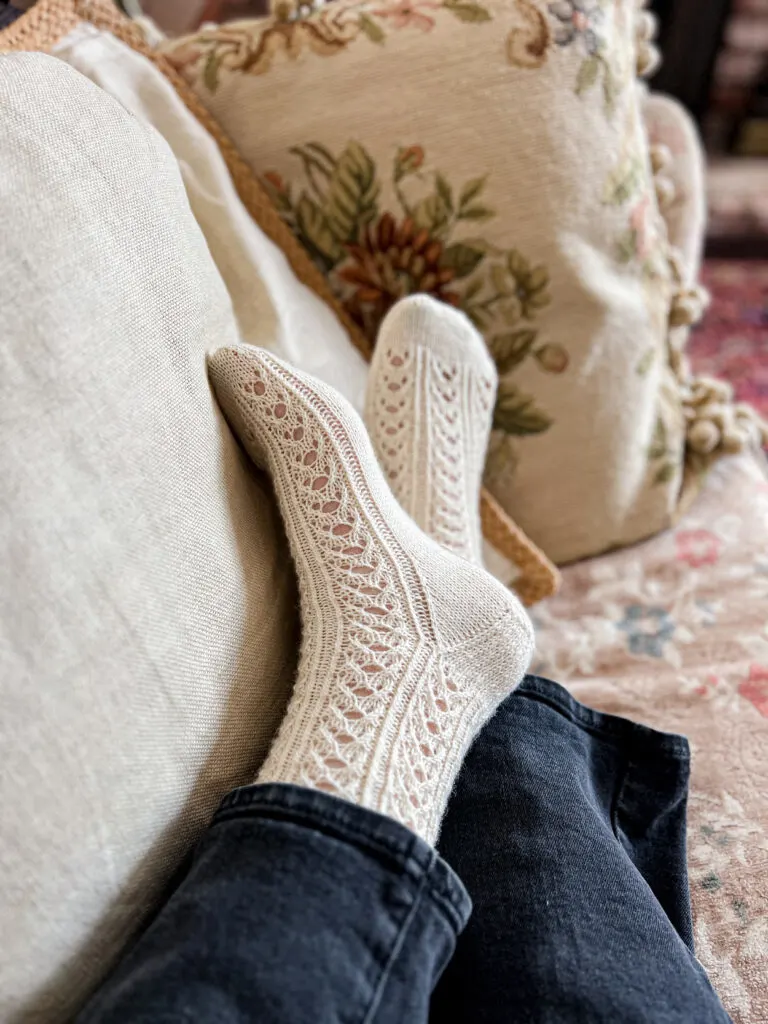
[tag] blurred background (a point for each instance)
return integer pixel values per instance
(716, 63)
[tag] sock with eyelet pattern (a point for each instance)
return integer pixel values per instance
(407, 649)
(428, 409)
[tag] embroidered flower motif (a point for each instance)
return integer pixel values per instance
(409, 14)
(379, 237)
(324, 29)
(252, 48)
(579, 20)
(408, 160)
(648, 629)
(698, 547)
(755, 688)
(530, 284)
(392, 260)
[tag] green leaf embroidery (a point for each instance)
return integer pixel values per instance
(471, 190)
(477, 213)
(374, 32)
(659, 442)
(500, 281)
(516, 413)
(587, 76)
(509, 350)
(444, 191)
(316, 233)
(626, 246)
(322, 153)
(313, 162)
(517, 263)
(473, 289)
(462, 259)
(464, 11)
(665, 473)
(624, 183)
(431, 213)
(350, 201)
(537, 278)
(484, 246)
(211, 71)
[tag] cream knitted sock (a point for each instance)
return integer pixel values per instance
(428, 409)
(407, 650)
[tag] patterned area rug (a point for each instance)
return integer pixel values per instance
(732, 342)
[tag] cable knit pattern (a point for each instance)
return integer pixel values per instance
(407, 650)
(429, 407)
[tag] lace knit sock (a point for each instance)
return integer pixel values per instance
(407, 650)
(428, 409)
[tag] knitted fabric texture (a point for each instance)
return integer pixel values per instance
(429, 407)
(407, 649)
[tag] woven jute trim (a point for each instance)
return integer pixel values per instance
(50, 20)
(539, 578)
(40, 27)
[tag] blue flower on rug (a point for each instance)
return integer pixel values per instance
(647, 629)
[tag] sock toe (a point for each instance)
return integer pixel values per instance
(444, 330)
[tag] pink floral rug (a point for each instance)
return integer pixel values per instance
(674, 633)
(732, 341)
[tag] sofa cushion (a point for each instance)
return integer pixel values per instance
(493, 154)
(147, 603)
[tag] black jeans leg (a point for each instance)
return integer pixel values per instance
(568, 828)
(296, 908)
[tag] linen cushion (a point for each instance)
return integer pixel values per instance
(493, 154)
(147, 604)
(280, 298)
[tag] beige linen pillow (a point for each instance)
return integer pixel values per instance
(492, 153)
(280, 298)
(147, 605)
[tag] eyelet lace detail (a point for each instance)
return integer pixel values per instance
(430, 422)
(376, 709)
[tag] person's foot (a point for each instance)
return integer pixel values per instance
(407, 649)
(428, 409)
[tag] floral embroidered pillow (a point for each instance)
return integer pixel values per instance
(491, 153)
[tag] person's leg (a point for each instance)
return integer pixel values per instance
(568, 828)
(295, 907)
(407, 648)
(429, 408)
(303, 902)
(548, 799)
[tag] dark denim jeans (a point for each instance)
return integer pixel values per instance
(568, 829)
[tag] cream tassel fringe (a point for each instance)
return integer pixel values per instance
(715, 424)
(647, 56)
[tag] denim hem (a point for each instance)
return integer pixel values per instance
(636, 738)
(368, 830)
